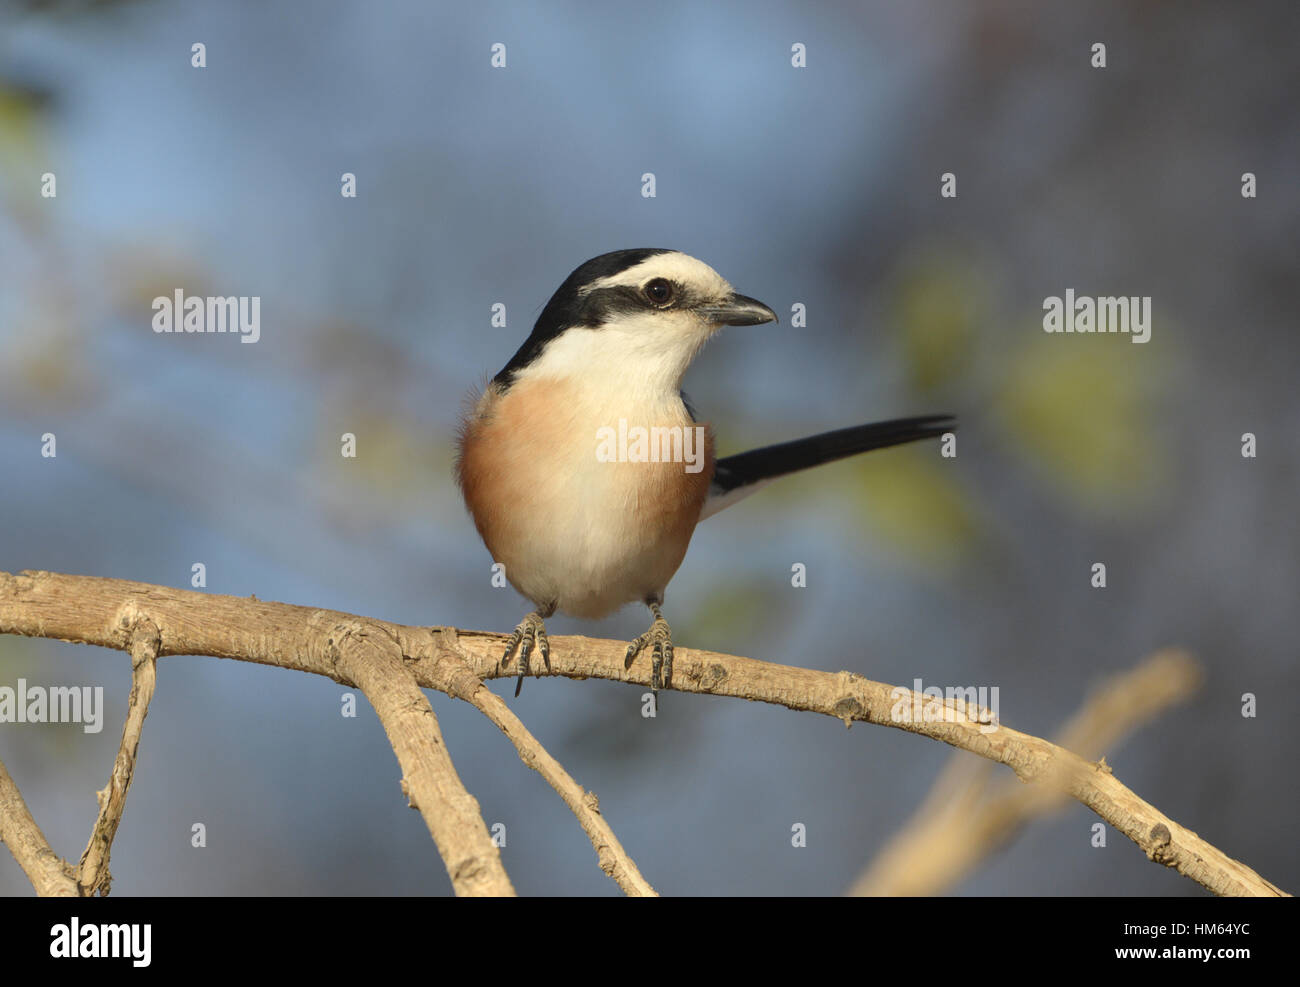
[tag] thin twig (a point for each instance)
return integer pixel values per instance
(614, 860)
(93, 875)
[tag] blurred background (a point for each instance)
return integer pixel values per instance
(816, 185)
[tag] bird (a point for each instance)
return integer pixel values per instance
(582, 463)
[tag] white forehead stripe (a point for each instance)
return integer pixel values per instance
(675, 266)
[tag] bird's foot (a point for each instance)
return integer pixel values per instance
(660, 639)
(530, 632)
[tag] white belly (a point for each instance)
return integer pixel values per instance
(586, 534)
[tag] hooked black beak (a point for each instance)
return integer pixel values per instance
(738, 310)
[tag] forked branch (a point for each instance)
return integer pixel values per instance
(85, 609)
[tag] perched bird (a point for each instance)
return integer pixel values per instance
(584, 467)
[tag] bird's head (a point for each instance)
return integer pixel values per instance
(633, 314)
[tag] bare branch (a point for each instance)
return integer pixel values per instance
(80, 608)
(348, 649)
(849, 697)
(967, 816)
(366, 654)
(50, 875)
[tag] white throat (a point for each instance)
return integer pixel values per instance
(639, 360)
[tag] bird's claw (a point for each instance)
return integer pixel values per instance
(530, 632)
(660, 639)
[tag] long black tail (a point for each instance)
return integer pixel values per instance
(735, 477)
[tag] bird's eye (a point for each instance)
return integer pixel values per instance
(659, 291)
